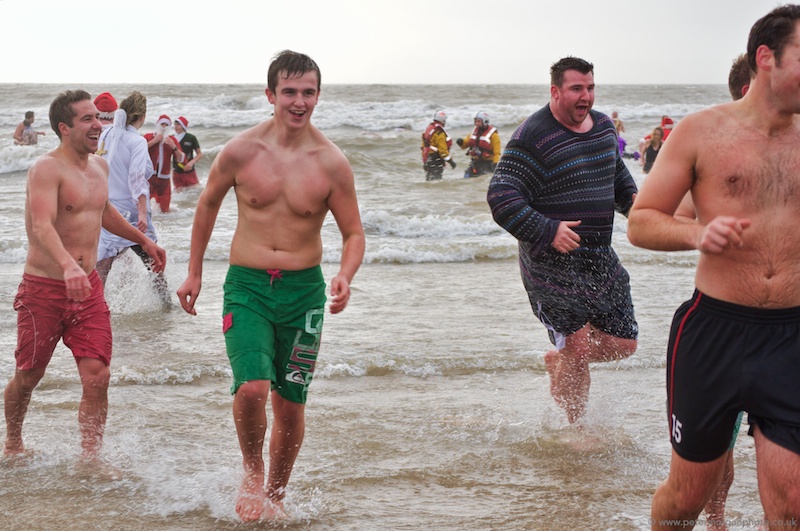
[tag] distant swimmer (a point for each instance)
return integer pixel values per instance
(556, 189)
(25, 134)
(482, 145)
(61, 296)
(436, 144)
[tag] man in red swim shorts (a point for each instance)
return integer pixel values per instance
(61, 295)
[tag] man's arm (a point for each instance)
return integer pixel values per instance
(175, 148)
(344, 206)
(652, 222)
(44, 179)
(220, 179)
(511, 191)
(496, 149)
(18, 134)
(139, 171)
(198, 154)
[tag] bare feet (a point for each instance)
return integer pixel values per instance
(11, 459)
(13, 447)
(275, 511)
(250, 503)
(98, 470)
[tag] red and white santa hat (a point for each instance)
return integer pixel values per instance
(184, 122)
(106, 105)
(164, 120)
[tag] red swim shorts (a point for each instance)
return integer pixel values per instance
(45, 315)
(182, 180)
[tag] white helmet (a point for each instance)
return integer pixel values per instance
(440, 116)
(482, 116)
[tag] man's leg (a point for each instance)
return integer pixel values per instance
(778, 471)
(569, 367)
(93, 409)
(680, 499)
(250, 417)
(288, 430)
(17, 396)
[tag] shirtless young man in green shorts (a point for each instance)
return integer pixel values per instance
(286, 176)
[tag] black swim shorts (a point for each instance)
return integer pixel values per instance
(723, 358)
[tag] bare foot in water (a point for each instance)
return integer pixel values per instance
(17, 458)
(275, 511)
(96, 469)
(252, 499)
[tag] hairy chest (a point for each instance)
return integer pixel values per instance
(750, 174)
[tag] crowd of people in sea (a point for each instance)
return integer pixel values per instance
(555, 186)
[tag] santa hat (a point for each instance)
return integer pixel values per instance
(164, 120)
(106, 105)
(666, 120)
(184, 122)
(105, 102)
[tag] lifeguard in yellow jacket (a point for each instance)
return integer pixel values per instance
(436, 144)
(482, 145)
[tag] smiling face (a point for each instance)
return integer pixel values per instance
(84, 131)
(572, 101)
(295, 98)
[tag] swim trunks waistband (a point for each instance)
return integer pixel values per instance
(312, 274)
(54, 281)
(750, 314)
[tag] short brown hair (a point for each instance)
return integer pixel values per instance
(291, 64)
(61, 110)
(558, 68)
(739, 76)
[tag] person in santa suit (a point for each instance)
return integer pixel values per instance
(183, 173)
(164, 150)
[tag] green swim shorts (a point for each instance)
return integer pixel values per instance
(272, 321)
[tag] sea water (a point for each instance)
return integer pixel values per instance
(430, 406)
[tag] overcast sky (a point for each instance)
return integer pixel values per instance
(372, 41)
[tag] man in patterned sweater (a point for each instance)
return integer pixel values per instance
(555, 189)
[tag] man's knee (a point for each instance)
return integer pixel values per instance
(254, 391)
(26, 381)
(95, 374)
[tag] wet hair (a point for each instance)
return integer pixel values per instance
(774, 30)
(660, 129)
(61, 110)
(135, 106)
(290, 64)
(558, 68)
(29, 115)
(739, 76)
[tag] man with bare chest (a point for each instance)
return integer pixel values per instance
(736, 343)
(286, 176)
(61, 295)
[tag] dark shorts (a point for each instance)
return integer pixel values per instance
(587, 285)
(724, 358)
(45, 315)
(272, 321)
